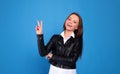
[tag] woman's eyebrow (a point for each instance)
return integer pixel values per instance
(69, 17)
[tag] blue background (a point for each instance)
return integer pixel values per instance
(18, 42)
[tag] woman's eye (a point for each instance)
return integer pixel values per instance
(75, 22)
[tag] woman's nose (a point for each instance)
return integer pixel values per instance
(70, 22)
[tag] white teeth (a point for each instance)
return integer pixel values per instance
(69, 25)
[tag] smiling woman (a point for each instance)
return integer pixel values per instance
(101, 37)
(63, 50)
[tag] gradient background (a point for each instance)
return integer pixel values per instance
(18, 42)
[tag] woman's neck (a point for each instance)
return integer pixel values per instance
(67, 33)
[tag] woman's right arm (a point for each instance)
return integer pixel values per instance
(43, 50)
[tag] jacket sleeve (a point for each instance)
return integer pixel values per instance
(42, 48)
(76, 53)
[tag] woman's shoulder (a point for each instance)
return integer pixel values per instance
(55, 36)
(78, 39)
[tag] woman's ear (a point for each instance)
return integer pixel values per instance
(76, 27)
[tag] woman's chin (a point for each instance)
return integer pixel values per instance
(69, 29)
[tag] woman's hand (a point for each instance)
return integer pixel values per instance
(39, 27)
(49, 56)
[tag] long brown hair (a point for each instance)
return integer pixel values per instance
(78, 32)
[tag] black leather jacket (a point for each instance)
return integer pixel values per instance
(64, 55)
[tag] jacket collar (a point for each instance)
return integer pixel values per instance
(72, 35)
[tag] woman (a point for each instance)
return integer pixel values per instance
(63, 50)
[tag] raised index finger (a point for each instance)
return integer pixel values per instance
(39, 23)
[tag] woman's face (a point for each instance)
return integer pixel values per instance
(72, 22)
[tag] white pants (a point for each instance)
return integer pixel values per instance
(57, 70)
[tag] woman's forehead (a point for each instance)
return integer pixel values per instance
(75, 17)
